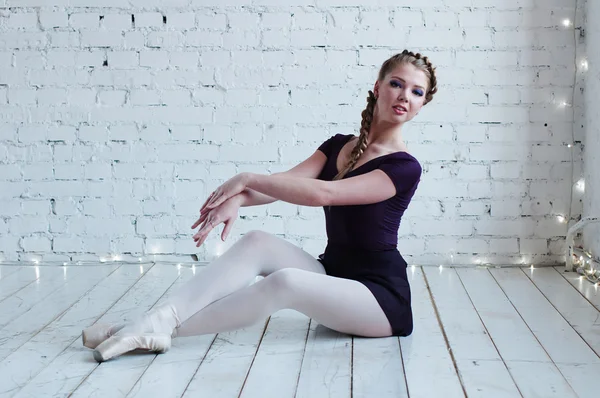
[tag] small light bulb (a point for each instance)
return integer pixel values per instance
(584, 65)
(140, 260)
(441, 267)
(581, 185)
(569, 145)
(178, 266)
(532, 267)
(567, 22)
(561, 219)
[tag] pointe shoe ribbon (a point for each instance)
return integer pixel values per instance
(120, 344)
(96, 334)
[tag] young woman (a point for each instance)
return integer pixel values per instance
(358, 285)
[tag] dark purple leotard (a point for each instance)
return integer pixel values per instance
(362, 239)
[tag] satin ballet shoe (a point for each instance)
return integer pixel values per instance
(120, 344)
(96, 334)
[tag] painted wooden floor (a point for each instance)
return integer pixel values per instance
(500, 332)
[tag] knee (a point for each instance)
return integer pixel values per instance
(256, 236)
(282, 283)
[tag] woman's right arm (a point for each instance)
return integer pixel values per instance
(310, 168)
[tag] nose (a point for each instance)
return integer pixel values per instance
(403, 95)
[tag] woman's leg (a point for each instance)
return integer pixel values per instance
(256, 253)
(344, 305)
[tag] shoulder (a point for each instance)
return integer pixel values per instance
(334, 140)
(403, 169)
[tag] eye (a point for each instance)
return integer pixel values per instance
(395, 83)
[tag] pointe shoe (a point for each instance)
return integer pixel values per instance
(120, 344)
(96, 334)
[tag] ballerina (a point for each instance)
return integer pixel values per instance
(357, 286)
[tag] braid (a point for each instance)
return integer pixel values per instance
(363, 139)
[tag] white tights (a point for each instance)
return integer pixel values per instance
(220, 298)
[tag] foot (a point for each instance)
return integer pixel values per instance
(151, 332)
(120, 344)
(96, 334)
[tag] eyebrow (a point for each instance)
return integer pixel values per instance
(399, 78)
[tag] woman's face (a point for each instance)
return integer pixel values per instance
(401, 94)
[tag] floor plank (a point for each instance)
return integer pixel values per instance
(67, 371)
(377, 368)
(576, 310)
(223, 371)
(50, 279)
(502, 327)
(13, 279)
(326, 367)
(6, 270)
(38, 316)
(275, 369)
(516, 344)
(425, 352)
(481, 368)
(31, 358)
(589, 290)
(558, 338)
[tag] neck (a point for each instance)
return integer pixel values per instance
(386, 135)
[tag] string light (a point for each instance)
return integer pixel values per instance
(585, 268)
(564, 104)
(584, 65)
(566, 22)
(561, 218)
(581, 185)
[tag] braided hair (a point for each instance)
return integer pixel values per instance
(420, 62)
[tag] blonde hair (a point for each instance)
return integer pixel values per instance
(421, 63)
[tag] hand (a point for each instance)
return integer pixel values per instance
(230, 188)
(227, 213)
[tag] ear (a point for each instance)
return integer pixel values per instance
(376, 89)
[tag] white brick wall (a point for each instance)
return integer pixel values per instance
(591, 124)
(115, 123)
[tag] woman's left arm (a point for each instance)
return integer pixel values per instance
(292, 189)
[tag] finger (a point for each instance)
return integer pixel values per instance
(228, 226)
(206, 228)
(203, 228)
(207, 201)
(218, 201)
(200, 221)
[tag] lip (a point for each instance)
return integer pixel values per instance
(400, 111)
